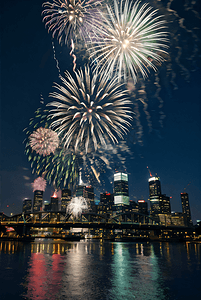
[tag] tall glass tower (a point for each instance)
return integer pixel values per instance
(186, 208)
(27, 206)
(121, 195)
(38, 201)
(65, 199)
(155, 195)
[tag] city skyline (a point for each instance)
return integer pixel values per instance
(158, 205)
(28, 70)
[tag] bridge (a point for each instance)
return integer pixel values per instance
(22, 223)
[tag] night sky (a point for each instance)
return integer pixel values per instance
(173, 150)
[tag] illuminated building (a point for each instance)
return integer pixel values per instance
(54, 202)
(85, 191)
(80, 191)
(103, 209)
(38, 201)
(177, 219)
(27, 206)
(186, 208)
(65, 198)
(133, 206)
(107, 198)
(88, 193)
(47, 205)
(165, 204)
(143, 207)
(121, 196)
(154, 195)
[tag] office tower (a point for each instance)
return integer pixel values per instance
(85, 191)
(65, 199)
(80, 191)
(54, 202)
(121, 195)
(89, 193)
(27, 206)
(107, 198)
(38, 201)
(47, 205)
(186, 208)
(165, 204)
(133, 206)
(154, 195)
(143, 207)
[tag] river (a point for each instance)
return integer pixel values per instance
(90, 270)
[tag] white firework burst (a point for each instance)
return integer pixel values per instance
(67, 18)
(132, 40)
(39, 184)
(76, 206)
(90, 110)
(44, 141)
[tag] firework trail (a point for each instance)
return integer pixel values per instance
(132, 40)
(39, 184)
(184, 44)
(89, 109)
(76, 206)
(73, 55)
(44, 141)
(56, 60)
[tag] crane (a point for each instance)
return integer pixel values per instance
(187, 186)
(149, 171)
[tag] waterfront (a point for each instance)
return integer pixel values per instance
(47, 269)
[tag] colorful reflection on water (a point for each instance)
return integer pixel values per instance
(47, 269)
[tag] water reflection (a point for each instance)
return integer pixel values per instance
(136, 273)
(101, 270)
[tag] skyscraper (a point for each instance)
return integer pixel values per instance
(65, 198)
(154, 195)
(47, 205)
(38, 201)
(143, 207)
(186, 208)
(121, 195)
(27, 206)
(54, 202)
(165, 204)
(107, 198)
(80, 191)
(85, 191)
(88, 193)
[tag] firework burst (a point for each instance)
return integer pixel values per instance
(59, 168)
(44, 141)
(132, 40)
(39, 184)
(67, 18)
(76, 206)
(89, 110)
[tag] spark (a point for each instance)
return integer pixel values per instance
(76, 206)
(89, 109)
(132, 40)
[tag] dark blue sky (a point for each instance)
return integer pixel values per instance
(28, 70)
